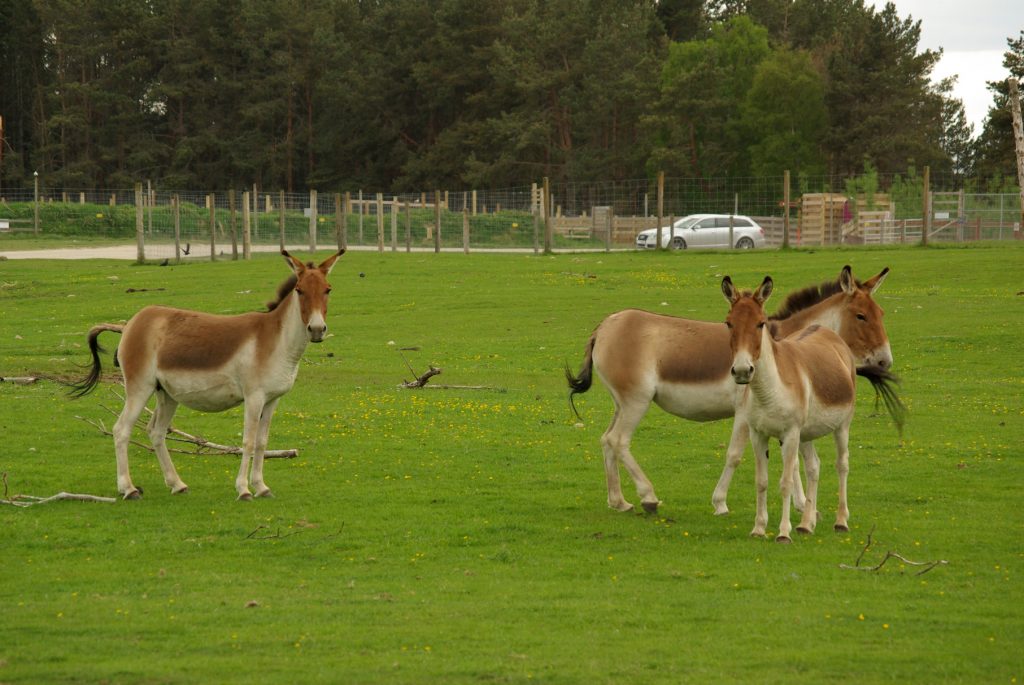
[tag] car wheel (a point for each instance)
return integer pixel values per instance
(744, 244)
(678, 243)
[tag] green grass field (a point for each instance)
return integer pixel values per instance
(462, 536)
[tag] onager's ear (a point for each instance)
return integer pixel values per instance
(764, 291)
(873, 283)
(729, 290)
(328, 264)
(297, 266)
(846, 280)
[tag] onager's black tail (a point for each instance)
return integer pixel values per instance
(581, 383)
(885, 384)
(87, 384)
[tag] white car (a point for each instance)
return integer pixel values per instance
(705, 230)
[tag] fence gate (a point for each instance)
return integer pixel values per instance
(948, 215)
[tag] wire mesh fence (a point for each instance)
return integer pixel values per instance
(167, 224)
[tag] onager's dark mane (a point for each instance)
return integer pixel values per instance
(808, 297)
(286, 288)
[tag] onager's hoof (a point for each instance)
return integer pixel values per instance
(783, 539)
(651, 507)
(721, 510)
(621, 506)
(265, 493)
(758, 534)
(842, 528)
(245, 497)
(183, 490)
(134, 493)
(803, 530)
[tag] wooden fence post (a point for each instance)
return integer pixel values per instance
(254, 218)
(150, 202)
(661, 204)
(437, 221)
(35, 201)
(408, 227)
(785, 214)
(548, 226)
(211, 202)
(312, 220)
(246, 228)
(176, 206)
(281, 217)
(394, 223)
(339, 213)
(380, 221)
(346, 209)
(926, 205)
(232, 216)
(362, 210)
(465, 230)
(140, 227)
(610, 230)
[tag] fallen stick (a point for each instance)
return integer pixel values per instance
(201, 445)
(927, 565)
(422, 379)
(19, 380)
(32, 500)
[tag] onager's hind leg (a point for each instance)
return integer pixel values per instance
(812, 469)
(615, 445)
(260, 447)
(158, 425)
(134, 402)
(842, 436)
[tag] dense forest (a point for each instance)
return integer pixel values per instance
(418, 94)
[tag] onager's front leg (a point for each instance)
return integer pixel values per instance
(790, 464)
(261, 446)
(759, 442)
(250, 432)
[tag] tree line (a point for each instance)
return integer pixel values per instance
(417, 94)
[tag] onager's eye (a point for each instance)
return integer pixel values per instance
(728, 325)
(760, 325)
(861, 317)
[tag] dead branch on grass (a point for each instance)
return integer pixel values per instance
(889, 554)
(20, 380)
(32, 500)
(200, 446)
(277, 535)
(421, 379)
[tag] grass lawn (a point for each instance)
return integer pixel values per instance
(461, 536)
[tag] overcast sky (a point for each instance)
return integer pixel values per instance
(973, 38)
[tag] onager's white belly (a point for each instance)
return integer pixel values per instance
(698, 401)
(220, 390)
(204, 391)
(773, 422)
(824, 421)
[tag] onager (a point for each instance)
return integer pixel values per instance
(211, 363)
